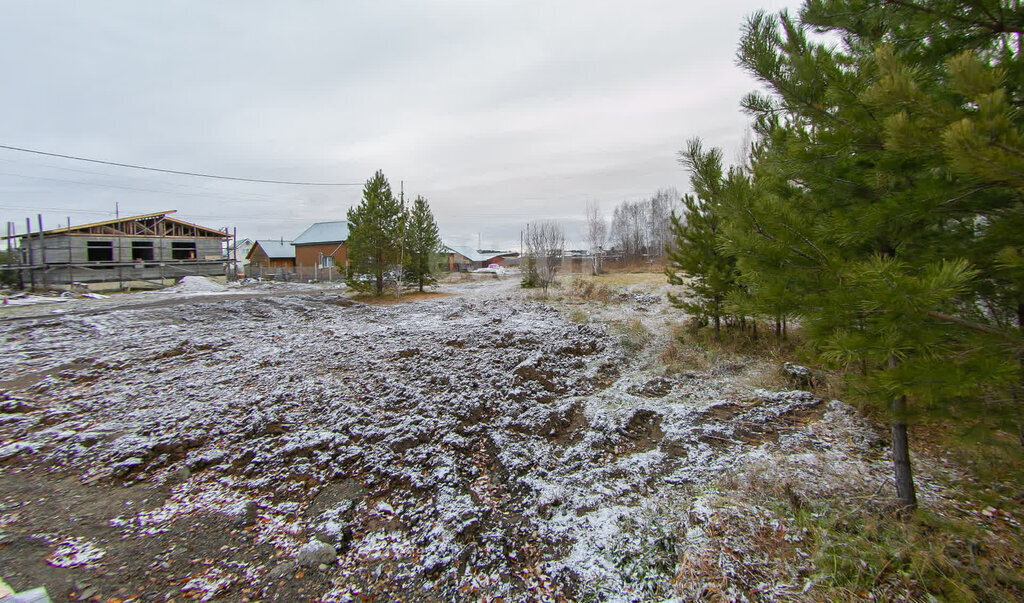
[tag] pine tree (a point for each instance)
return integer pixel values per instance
(874, 195)
(711, 272)
(376, 229)
(422, 243)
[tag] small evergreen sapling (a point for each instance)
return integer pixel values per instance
(376, 228)
(422, 244)
(697, 252)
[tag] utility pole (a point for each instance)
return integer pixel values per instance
(118, 240)
(71, 270)
(31, 257)
(42, 250)
(401, 257)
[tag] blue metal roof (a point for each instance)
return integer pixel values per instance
(323, 232)
(277, 249)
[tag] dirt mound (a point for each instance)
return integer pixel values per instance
(196, 284)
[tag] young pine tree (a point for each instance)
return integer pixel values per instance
(697, 251)
(877, 195)
(376, 228)
(422, 243)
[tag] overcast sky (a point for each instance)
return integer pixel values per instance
(498, 113)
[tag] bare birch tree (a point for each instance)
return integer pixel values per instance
(629, 225)
(643, 228)
(597, 234)
(659, 222)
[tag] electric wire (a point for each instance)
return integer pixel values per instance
(179, 172)
(144, 180)
(211, 195)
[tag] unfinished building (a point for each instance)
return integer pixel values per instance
(134, 251)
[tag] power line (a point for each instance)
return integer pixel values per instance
(204, 188)
(133, 188)
(196, 174)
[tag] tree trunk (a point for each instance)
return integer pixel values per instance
(718, 316)
(380, 284)
(904, 476)
(1020, 366)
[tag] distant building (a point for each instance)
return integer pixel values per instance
(322, 245)
(239, 251)
(151, 248)
(269, 257)
(462, 258)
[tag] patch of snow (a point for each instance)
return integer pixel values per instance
(208, 583)
(195, 284)
(75, 552)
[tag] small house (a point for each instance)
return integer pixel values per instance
(271, 257)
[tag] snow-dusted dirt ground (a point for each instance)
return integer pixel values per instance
(203, 444)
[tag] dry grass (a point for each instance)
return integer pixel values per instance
(587, 289)
(634, 267)
(699, 349)
(633, 335)
(652, 280)
(928, 556)
(389, 299)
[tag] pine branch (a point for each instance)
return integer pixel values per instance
(1008, 149)
(974, 326)
(807, 241)
(969, 192)
(996, 27)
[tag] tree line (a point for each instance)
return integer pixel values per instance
(881, 206)
(639, 229)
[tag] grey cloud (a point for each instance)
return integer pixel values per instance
(498, 112)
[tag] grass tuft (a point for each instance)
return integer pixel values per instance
(926, 556)
(634, 336)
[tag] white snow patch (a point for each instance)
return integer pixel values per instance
(74, 552)
(196, 284)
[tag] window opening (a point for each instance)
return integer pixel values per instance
(142, 250)
(99, 251)
(183, 250)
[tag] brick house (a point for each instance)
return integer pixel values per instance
(322, 245)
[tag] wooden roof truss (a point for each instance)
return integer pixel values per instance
(149, 225)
